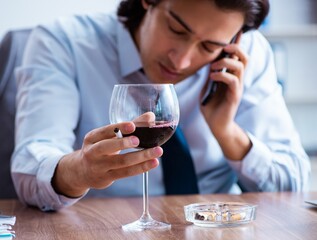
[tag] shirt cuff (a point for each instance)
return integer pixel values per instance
(49, 200)
(256, 164)
(44, 176)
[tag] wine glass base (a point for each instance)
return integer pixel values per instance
(141, 225)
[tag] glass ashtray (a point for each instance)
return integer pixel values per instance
(220, 214)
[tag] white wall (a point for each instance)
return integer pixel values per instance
(27, 13)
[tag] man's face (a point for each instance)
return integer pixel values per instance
(178, 37)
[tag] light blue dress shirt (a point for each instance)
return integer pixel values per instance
(64, 90)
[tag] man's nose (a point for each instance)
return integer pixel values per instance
(180, 57)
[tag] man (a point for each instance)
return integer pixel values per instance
(243, 138)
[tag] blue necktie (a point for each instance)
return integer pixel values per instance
(178, 168)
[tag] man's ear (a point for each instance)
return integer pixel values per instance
(145, 4)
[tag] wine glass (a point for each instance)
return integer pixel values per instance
(155, 111)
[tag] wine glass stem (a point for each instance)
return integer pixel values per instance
(146, 213)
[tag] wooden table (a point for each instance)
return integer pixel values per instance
(279, 216)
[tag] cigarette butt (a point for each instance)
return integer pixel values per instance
(118, 133)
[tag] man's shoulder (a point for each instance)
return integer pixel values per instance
(260, 59)
(85, 25)
(254, 40)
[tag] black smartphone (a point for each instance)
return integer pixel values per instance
(212, 85)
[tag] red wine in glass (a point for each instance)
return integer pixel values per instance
(154, 135)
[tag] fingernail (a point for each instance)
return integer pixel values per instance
(129, 128)
(134, 140)
(157, 151)
(154, 163)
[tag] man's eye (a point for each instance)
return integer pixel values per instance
(207, 49)
(178, 32)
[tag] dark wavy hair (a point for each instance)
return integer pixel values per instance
(131, 12)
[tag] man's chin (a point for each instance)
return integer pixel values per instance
(160, 78)
(166, 80)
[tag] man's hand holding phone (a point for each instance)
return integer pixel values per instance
(220, 107)
(212, 85)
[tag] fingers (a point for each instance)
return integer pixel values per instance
(135, 158)
(107, 132)
(100, 159)
(236, 53)
(135, 170)
(110, 146)
(106, 179)
(232, 77)
(148, 117)
(231, 82)
(237, 61)
(101, 142)
(132, 164)
(110, 168)
(234, 66)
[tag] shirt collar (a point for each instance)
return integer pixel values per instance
(129, 57)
